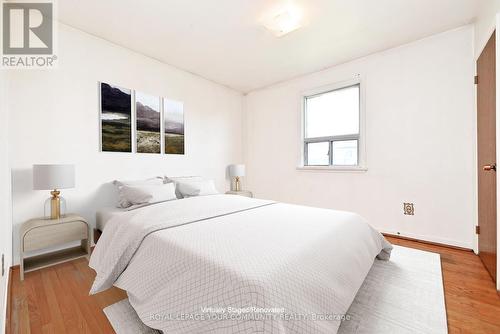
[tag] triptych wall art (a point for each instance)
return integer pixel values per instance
(126, 114)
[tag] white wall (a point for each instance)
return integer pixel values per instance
(55, 115)
(420, 141)
(5, 204)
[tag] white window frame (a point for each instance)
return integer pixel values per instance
(361, 166)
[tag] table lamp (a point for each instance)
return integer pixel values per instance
(237, 171)
(54, 177)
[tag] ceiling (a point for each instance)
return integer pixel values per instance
(224, 41)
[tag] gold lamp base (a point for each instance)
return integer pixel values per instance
(237, 183)
(55, 204)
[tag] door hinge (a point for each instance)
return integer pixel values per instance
(477, 230)
(476, 79)
(3, 265)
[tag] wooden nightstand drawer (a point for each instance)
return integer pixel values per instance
(51, 235)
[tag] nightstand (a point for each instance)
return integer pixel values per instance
(41, 233)
(245, 193)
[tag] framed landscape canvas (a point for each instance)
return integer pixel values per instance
(148, 116)
(116, 119)
(174, 126)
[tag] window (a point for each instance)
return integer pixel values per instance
(332, 127)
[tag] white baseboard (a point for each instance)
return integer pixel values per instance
(431, 239)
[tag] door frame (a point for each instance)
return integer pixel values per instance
(494, 27)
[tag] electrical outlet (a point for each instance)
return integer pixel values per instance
(408, 209)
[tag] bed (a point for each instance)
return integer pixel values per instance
(231, 264)
(102, 217)
(105, 214)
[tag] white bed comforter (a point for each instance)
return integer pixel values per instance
(230, 264)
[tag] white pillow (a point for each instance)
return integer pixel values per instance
(196, 188)
(182, 178)
(123, 203)
(147, 194)
(154, 180)
(177, 179)
(129, 195)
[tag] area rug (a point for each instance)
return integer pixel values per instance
(124, 320)
(403, 295)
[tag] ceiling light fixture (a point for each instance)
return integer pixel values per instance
(284, 22)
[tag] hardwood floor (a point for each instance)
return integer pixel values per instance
(56, 300)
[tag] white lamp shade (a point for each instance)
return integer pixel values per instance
(236, 170)
(49, 177)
